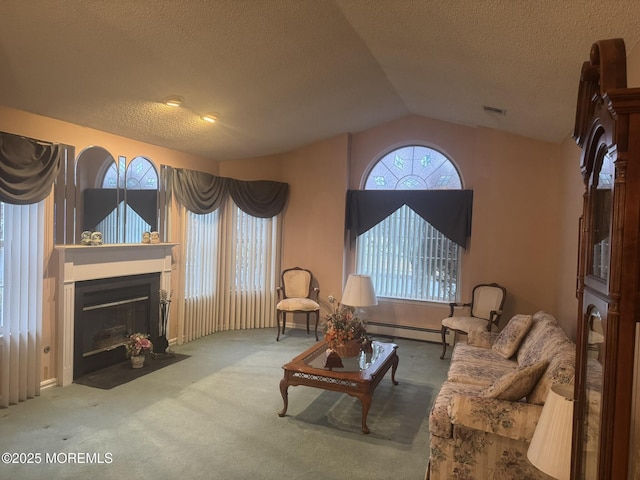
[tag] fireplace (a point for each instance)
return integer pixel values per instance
(110, 283)
(107, 311)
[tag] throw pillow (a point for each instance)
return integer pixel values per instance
(517, 384)
(512, 335)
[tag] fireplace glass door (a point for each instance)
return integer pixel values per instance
(107, 311)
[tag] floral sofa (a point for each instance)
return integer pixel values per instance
(485, 414)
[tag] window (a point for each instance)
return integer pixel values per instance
(1, 266)
(255, 242)
(140, 174)
(21, 259)
(201, 259)
(407, 257)
(230, 262)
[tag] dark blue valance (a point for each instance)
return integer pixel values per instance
(28, 169)
(203, 193)
(449, 211)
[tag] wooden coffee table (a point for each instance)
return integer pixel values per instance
(359, 377)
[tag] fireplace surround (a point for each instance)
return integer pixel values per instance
(94, 266)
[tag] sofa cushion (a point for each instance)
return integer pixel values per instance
(561, 369)
(544, 338)
(482, 373)
(481, 338)
(517, 384)
(512, 335)
(463, 352)
(477, 366)
(439, 419)
(516, 420)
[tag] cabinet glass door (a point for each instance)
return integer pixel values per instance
(601, 194)
(592, 396)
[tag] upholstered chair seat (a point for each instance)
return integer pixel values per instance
(465, 324)
(298, 305)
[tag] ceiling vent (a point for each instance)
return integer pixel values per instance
(499, 111)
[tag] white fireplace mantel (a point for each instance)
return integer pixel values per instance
(79, 262)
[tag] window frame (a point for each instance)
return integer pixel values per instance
(459, 251)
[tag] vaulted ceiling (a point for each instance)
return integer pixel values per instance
(280, 74)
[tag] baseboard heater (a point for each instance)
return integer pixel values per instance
(407, 331)
(400, 331)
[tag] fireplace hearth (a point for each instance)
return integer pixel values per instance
(107, 311)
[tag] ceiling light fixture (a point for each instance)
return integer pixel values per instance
(173, 101)
(209, 117)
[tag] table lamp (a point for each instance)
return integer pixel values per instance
(550, 448)
(359, 292)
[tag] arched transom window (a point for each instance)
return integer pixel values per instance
(406, 256)
(413, 168)
(124, 224)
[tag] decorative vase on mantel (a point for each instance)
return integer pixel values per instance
(137, 361)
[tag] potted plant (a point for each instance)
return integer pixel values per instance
(345, 333)
(138, 345)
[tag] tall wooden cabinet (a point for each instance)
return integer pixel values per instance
(607, 129)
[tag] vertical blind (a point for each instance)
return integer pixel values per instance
(28, 169)
(231, 261)
(21, 255)
(231, 238)
(200, 243)
(408, 258)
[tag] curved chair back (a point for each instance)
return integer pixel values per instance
(487, 298)
(296, 283)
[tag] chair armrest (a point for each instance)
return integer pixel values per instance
(315, 293)
(515, 420)
(454, 305)
(494, 318)
(280, 292)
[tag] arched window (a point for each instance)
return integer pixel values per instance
(140, 178)
(406, 256)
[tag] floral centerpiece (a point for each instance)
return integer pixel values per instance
(345, 333)
(138, 344)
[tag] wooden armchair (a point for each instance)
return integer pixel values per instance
(485, 310)
(296, 295)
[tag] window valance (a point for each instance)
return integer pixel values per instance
(28, 169)
(99, 202)
(203, 193)
(449, 211)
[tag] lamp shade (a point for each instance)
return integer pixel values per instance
(359, 292)
(550, 448)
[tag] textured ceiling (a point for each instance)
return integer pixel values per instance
(285, 73)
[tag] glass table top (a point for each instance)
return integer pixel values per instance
(350, 364)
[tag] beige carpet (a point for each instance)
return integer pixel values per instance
(214, 416)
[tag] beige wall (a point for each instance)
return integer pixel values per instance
(571, 198)
(516, 227)
(313, 224)
(519, 219)
(48, 129)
